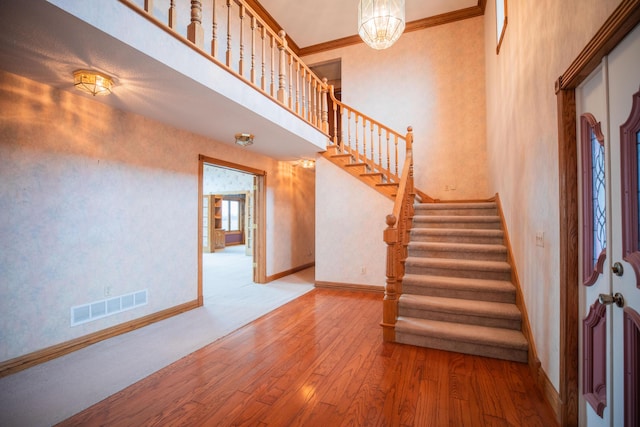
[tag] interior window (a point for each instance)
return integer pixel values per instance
(231, 215)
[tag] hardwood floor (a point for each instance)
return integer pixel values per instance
(320, 361)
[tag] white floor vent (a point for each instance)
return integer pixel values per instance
(107, 307)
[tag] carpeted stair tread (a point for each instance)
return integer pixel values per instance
(481, 232)
(499, 337)
(459, 283)
(423, 233)
(456, 218)
(461, 205)
(459, 264)
(487, 232)
(461, 306)
(460, 209)
(462, 247)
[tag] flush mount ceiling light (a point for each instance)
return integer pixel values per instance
(92, 82)
(244, 139)
(380, 22)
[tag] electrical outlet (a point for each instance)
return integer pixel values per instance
(540, 239)
(107, 291)
(363, 270)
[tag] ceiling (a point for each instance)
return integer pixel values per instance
(41, 42)
(45, 44)
(310, 22)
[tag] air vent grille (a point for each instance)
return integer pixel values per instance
(99, 309)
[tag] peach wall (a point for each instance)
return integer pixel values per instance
(93, 197)
(433, 80)
(541, 41)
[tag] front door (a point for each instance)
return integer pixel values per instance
(608, 109)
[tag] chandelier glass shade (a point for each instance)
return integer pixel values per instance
(380, 22)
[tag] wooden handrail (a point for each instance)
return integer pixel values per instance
(396, 236)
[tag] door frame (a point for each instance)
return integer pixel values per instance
(259, 236)
(623, 19)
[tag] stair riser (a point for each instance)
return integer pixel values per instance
(341, 159)
(457, 212)
(475, 255)
(425, 222)
(506, 297)
(439, 271)
(357, 169)
(387, 190)
(493, 322)
(462, 347)
(333, 150)
(437, 238)
(372, 179)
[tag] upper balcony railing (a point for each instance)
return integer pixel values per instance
(233, 35)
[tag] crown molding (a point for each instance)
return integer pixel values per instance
(420, 24)
(272, 23)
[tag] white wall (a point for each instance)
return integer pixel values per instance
(92, 197)
(541, 41)
(350, 220)
(433, 80)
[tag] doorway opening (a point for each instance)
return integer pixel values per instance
(231, 238)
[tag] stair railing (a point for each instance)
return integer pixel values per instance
(381, 148)
(241, 42)
(396, 236)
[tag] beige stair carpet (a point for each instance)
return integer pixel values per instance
(457, 290)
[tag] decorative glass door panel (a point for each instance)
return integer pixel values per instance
(610, 302)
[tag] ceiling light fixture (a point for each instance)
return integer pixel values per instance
(244, 139)
(307, 163)
(92, 82)
(380, 22)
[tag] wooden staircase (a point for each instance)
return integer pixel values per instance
(457, 292)
(366, 171)
(449, 283)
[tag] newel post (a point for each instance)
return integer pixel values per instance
(409, 139)
(282, 74)
(390, 304)
(410, 186)
(408, 209)
(195, 33)
(325, 105)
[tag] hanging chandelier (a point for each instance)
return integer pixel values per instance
(380, 22)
